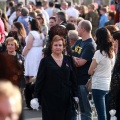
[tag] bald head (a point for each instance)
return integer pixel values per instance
(86, 25)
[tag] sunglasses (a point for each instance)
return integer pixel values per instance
(38, 18)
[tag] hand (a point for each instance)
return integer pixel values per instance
(76, 99)
(34, 104)
(112, 112)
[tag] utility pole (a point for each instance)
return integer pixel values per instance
(3, 5)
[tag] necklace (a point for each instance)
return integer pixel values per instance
(57, 59)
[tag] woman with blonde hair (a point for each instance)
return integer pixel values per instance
(43, 25)
(83, 10)
(21, 32)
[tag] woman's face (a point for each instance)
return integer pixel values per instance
(11, 46)
(14, 28)
(18, 12)
(81, 11)
(57, 47)
(39, 19)
(73, 20)
(52, 23)
(11, 113)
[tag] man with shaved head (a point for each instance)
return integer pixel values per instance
(83, 52)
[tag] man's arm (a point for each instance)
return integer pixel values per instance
(79, 61)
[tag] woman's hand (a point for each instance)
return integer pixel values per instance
(28, 45)
(34, 104)
(112, 113)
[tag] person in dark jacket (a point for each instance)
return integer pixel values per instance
(56, 83)
(61, 18)
(115, 82)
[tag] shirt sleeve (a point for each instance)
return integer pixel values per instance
(88, 53)
(97, 56)
(12, 18)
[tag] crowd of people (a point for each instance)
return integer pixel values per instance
(51, 51)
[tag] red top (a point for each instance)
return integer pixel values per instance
(2, 31)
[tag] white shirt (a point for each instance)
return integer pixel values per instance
(8, 12)
(102, 76)
(46, 15)
(50, 11)
(72, 12)
(12, 18)
(118, 25)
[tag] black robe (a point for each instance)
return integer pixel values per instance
(54, 86)
(115, 88)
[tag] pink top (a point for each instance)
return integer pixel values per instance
(2, 31)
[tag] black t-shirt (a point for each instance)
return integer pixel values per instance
(85, 50)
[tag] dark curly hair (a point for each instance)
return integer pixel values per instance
(55, 30)
(104, 41)
(34, 24)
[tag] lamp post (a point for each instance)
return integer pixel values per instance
(3, 5)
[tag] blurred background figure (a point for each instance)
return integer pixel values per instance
(93, 17)
(73, 37)
(103, 17)
(115, 82)
(83, 10)
(71, 11)
(43, 25)
(10, 101)
(73, 20)
(111, 15)
(24, 18)
(2, 29)
(52, 22)
(10, 5)
(21, 33)
(32, 53)
(50, 9)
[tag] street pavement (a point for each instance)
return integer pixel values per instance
(32, 114)
(36, 115)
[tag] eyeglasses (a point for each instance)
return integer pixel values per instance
(38, 18)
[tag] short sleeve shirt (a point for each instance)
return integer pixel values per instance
(85, 50)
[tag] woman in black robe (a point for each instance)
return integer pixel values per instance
(56, 83)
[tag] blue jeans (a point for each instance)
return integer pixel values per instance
(99, 100)
(86, 113)
(107, 100)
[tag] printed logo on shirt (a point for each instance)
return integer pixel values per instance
(78, 49)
